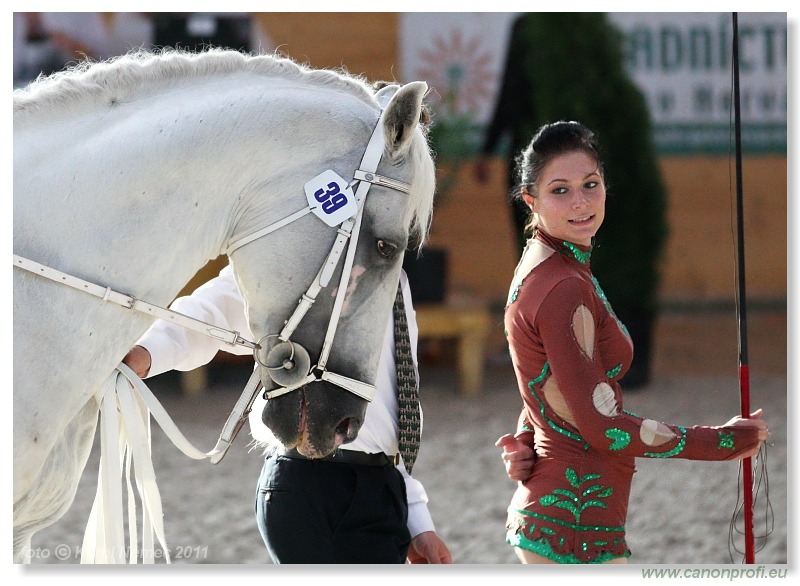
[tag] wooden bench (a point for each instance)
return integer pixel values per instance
(469, 325)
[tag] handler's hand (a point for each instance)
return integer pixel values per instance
(519, 458)
(428, 548)
(138, 360)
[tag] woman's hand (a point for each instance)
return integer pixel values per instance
(518, 457)
(754, 421)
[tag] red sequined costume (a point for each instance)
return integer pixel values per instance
(569, 352)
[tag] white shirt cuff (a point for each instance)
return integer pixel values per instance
(419, 519)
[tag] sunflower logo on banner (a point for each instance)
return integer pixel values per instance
(461, 56)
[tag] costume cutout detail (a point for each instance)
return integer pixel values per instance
(583, 327)
(556, 401)
(605, 401)
(654, 433)
(535, 253)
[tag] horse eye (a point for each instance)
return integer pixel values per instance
(386, 249)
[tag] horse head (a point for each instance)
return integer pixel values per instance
(319, 356)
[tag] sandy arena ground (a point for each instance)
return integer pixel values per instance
(680, 512)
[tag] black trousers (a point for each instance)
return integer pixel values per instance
(322, 512)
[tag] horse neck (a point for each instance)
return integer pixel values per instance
(146, 236)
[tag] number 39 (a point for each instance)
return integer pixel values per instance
(331, 199)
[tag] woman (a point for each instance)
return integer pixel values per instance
(569, 352)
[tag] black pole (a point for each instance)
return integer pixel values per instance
(743, 358)
(744, 374)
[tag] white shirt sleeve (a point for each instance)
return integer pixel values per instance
(419, 517)
(217, 302)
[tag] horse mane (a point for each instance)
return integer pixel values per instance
(108, 82)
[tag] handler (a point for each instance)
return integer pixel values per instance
(356, 506)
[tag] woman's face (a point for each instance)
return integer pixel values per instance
(571, 199)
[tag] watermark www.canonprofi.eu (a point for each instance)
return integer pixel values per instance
(730, 574)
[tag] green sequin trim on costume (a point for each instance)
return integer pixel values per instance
(726, 440)
(543, 548)
(579, 255)
(620, 438)
(614, 371)
(563, 523)
(570, 501)
(550, 422)
(542, 545)
(542, 375)
(674, 451)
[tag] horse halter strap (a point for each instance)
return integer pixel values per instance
(294, 369)
(129, 302)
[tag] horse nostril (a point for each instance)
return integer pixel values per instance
(348, 429)
(343, 426)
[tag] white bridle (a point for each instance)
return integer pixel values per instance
(290, 366)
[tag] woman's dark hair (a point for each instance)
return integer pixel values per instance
(549, 142)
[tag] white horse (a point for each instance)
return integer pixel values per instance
(133, 173)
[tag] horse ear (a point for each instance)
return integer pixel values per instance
(384, 94)
(402, 116)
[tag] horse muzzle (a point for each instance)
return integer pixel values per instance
(315, 419)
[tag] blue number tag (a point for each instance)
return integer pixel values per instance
(330, 198)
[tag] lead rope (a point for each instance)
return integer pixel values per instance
(126, 406)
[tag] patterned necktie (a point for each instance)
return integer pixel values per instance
(407, 389)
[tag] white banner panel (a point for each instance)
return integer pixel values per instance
(461, 55)
(683, 64)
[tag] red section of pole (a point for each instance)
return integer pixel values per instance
(744, 371)
(747, 473)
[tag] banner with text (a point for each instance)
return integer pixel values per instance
(681, 61)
